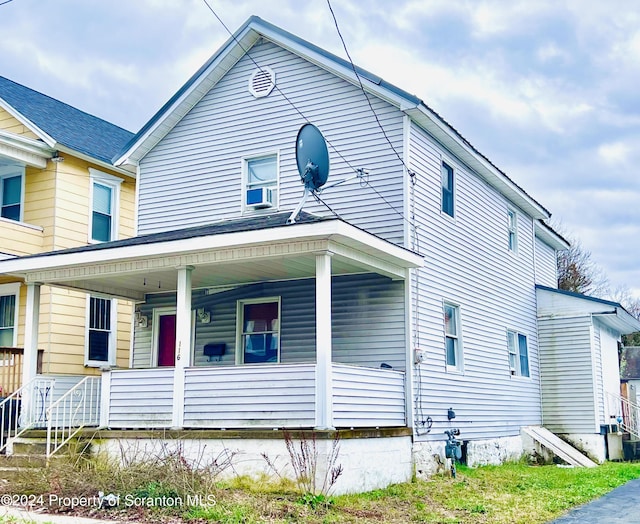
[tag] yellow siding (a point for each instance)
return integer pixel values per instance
(12, 125)
(19, 239)
(57, 200)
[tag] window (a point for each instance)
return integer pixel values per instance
(259, 331)
(11, 191)
(512, 225)
(100, 342)
(518, 354)
(453, 346)
(261, 173)
(105, 198)
(447, 189)
(9, 294)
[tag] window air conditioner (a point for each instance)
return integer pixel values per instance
(259, 197)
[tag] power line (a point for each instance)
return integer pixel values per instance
(335, 149)
(6, 2)
(355, 71)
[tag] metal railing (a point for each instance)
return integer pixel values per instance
(627, 414)
(78, 408)
(24, 409)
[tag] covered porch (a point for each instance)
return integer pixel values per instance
(315, 360)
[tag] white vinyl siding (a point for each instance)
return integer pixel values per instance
(546, 265)
(194, 175)
(567, 366)
(465, 263)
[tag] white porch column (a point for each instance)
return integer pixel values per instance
(324, 389)
(183, 342)
(31, 325)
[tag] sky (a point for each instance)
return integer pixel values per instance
(549, 91)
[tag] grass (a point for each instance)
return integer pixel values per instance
(512, 493)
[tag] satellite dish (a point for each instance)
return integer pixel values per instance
(312, 157)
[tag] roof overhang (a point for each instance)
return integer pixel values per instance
(279, 253)
(550, 237)
(460, 148)
(24, 150)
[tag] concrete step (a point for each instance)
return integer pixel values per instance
(558, 446)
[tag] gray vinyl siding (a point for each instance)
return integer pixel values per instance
(250, 396)
(367, 397)
(546, 265)
(193, 176)
(567, 366)
(468, 263)
(367, 313)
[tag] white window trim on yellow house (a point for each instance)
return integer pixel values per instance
(113, 332)
(11, 170)
(8, 290)
(113, 183)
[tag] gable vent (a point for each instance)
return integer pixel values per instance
(262, 82)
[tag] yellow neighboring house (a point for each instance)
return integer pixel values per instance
(58, 189)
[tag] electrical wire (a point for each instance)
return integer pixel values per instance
(318, 199)
(6, 2)
(367, 184)
(355, 71)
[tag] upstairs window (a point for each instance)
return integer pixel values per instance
(9, 294)
(512, 228)
(261, 182)
(100, 342)
(453, 345)
(518, 354)
(447, 189)
(11, 192)
(105, 198)
(259, 331)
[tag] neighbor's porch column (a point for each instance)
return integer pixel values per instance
(31, 325)
(324, 389)
(183, 342)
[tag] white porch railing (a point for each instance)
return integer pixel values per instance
(24, 409)
(76, 409)
(252, 396)
(627, 411)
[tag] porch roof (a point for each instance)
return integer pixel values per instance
(228, 252)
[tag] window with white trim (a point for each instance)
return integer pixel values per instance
(453, 343)
(447, 188)
(11, 191)
(512, 230)
(101, 331)
(258, 331)
(518, 354)
(260, 182)
(9, 301)
(105, 202)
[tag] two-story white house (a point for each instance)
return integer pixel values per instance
(398, 296)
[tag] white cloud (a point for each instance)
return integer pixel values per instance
(614, 152)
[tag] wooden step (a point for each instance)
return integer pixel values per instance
(558, 446)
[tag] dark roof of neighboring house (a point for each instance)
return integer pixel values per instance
(254, 223)
(630, 363)
(68, 126)
(257, 21)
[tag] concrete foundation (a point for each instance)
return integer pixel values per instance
(590, 444)
(369, 459)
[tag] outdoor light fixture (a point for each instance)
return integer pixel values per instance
(203, 316)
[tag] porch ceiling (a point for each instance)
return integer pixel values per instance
(280, 253)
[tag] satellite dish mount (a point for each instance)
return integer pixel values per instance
(312, 158)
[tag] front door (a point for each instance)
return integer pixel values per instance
(167, 340)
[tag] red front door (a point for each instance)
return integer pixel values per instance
(167, 340)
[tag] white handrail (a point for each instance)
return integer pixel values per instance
(628, 414)
(24, 408)
(76, 409)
